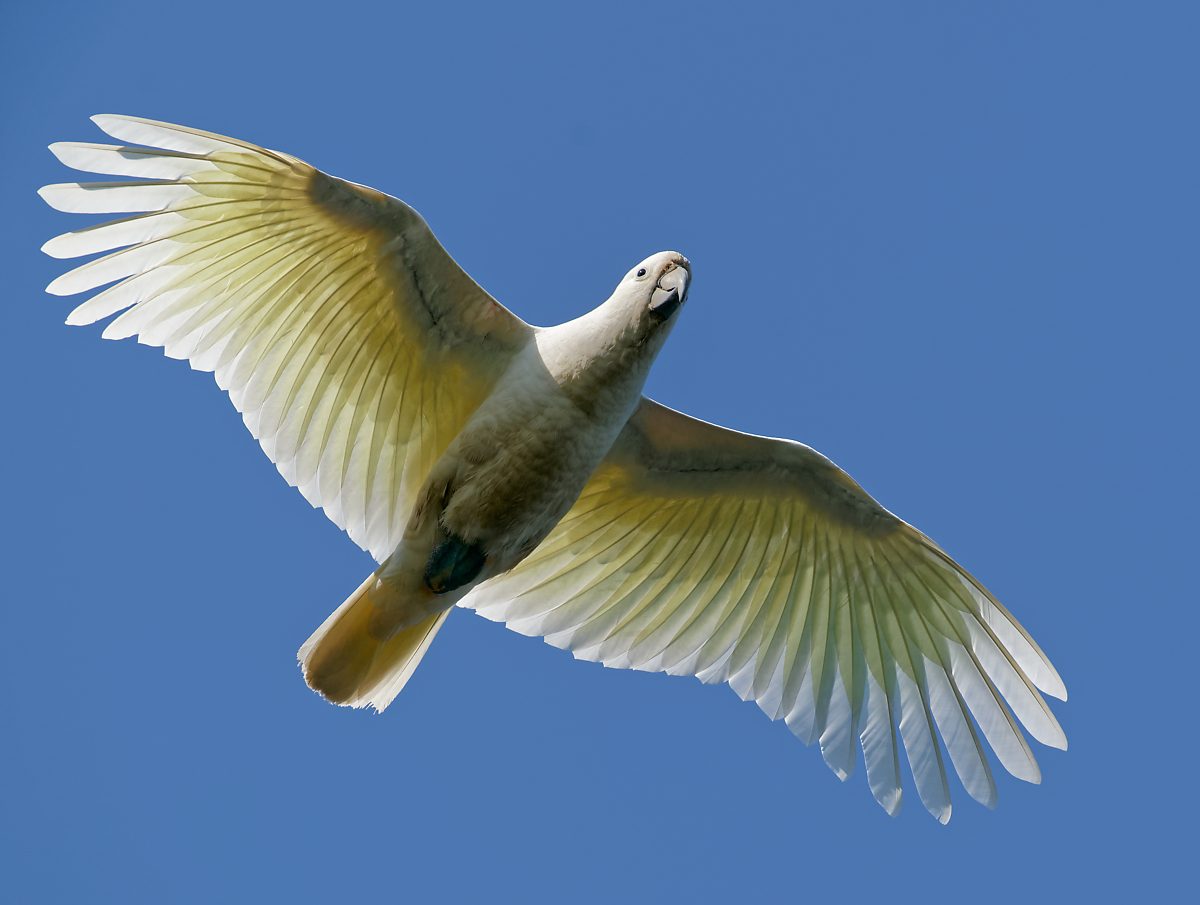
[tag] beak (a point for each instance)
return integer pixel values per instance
(670, 292)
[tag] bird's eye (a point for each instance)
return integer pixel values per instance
(641, 271)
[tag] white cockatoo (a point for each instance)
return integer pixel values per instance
(520, 472)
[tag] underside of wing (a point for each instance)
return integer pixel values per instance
(353, 345)
(701, 551)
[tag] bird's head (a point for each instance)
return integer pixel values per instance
(655, 289)
(646, 303)
(627, 331)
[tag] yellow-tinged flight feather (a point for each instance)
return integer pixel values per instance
(328, 310)
(760, 563)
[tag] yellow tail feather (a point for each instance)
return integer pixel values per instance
(352, 662)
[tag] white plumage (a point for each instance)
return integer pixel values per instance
(518, 471)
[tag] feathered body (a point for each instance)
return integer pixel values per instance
(523, 457)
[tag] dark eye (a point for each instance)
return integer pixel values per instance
(641, 271)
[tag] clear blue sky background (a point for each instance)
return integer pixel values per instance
(951, 245)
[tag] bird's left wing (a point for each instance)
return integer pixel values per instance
(697, 550)
(351, 342)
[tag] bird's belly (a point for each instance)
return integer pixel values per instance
(517, 472)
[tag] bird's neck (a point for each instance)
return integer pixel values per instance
(600, 360)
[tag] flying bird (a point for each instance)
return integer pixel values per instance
(520, 472)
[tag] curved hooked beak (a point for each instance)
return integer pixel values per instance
(670, 292)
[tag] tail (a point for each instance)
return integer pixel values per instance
(352, 662)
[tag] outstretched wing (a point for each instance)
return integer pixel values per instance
(353, 345)
(697, 550)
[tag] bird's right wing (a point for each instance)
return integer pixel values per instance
(351, 342)
(697, 550)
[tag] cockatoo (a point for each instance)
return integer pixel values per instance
(520, 472)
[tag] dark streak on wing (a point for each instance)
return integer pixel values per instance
(358, 206)
(690, 456)
(415, 274)
(457, 309)
(367, 210)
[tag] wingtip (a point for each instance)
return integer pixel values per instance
(1054, 736)
(1052, 684)
(103, 121)
(55, 287)
(891, 802)
(75, 319)
(57, 148)
(53, 247)
(1059, 691)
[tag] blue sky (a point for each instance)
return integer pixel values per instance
(953, 246)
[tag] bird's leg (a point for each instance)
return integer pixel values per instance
(453, 563)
